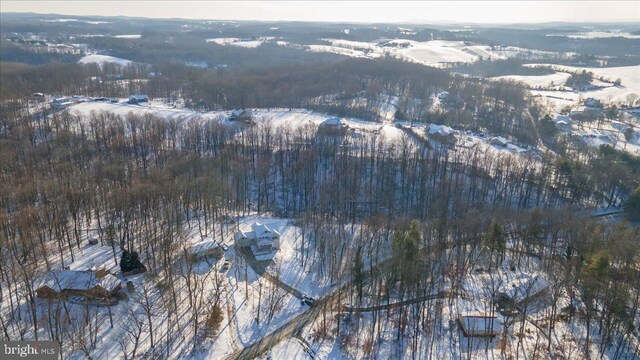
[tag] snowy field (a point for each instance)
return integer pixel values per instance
(550, 81)
(246, 43)
(101, 59)
(629, 75)
(431, 53)
(155, 108)
(130, 36)
(609, 133)
(390, 132)
(599, 35)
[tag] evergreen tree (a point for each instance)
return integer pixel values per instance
(125, 261)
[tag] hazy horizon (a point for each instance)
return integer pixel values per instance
(480, 12)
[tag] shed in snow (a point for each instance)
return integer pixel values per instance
(479, 325)
(592, 103)
(333, 126)
(137, 99)
(563, 122)
(241, 115)
(499, 141)
(565, 118)
(61, 103)
(91, 284)
(204, 249)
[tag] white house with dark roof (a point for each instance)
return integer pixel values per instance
(262, 239)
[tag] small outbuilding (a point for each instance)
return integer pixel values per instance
(479, 325)
(592, 103)
(61, 103)
(137, 99)
(245, 115)
(333, 126)
(204, 249)
(499, 141)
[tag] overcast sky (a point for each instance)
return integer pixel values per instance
(352, 11)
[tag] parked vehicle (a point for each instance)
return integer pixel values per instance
(226, 266)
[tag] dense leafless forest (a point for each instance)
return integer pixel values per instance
(395, 227)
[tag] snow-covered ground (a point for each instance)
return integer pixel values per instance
(598, 34)
(441, 51)
(629, 75)
(550, 81)
(432, 53)
(290, 349)
(243, 295)
(440, 337)
(246, 43)
(101, 59)
(130, 36)
(391, 132)
(609, 133)
(339, 50)
(122, 108)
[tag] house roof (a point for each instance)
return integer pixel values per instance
(524, 286)
(480, 325)
(59, 280)
(500, 140)
(441, 130)
(202, 246)
(139, 97)
(261, 229)
(333, 122)
(241, 112)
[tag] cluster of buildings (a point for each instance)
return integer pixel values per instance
(64, 102)
(514, 294)
(262, 240)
